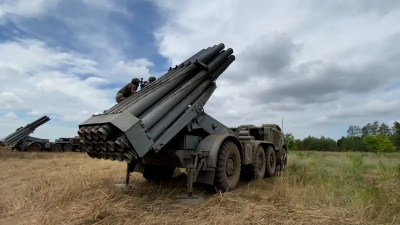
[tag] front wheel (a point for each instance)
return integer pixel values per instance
(227, 172)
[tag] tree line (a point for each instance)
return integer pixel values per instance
(372, 137)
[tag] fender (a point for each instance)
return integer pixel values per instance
(212, 143)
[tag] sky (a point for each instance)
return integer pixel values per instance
(321, 66)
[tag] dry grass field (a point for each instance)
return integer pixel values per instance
(318, 188)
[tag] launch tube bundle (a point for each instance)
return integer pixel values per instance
(128, 130)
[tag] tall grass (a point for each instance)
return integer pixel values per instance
(318, 188)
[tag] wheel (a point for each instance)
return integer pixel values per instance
(284, 159)
(56, 148)
(270, 162)
(35, 147)
(255, 170)
(67, 147)
(157, 173)
(227, 172)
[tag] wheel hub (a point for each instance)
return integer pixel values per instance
(230, 166)
(271, 161)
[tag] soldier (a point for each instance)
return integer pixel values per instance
(151, 79)
(127, 90)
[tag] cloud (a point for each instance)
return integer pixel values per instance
(321, 66)
(10, 115)
(46, 81)
(67, 59)
(25, 8)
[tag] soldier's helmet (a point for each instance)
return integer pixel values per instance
(151, 79)
(135, 80)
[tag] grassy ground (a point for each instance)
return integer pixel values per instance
(319, 188)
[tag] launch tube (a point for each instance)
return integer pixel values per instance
(150, 119)
(166, 120)
(166, 78)
(205, 95)
(140, 106)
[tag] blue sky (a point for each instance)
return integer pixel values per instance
(319, 67)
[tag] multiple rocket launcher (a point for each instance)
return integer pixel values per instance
(144, 121)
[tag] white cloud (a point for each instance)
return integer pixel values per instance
(39, 80)
(321, 66)
(10, 115)
(25, 8)
(9, 98)
(33, 113)
(124, 71)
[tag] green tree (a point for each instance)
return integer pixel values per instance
(375, 127)
(291, 144)
(384, 129)
(395, 137)
(379, 143)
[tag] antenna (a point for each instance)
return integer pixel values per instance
(283, 134)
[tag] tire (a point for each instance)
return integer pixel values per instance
(227, 172)
(68, 148)
(56, 148)
(284, 164)
(35, 147)
(270, 162)
(157, 173)
(257, 169)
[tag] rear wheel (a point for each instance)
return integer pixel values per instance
(257, 169)
(227, 172)
(270, 162)
(56, 148)
(284, 163)
(35, 147)
(67, 147)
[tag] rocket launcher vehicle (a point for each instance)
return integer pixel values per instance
(141, 123)
(163, 126)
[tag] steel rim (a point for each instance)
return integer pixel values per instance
(230, 166)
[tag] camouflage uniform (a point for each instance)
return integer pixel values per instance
(125, 91)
